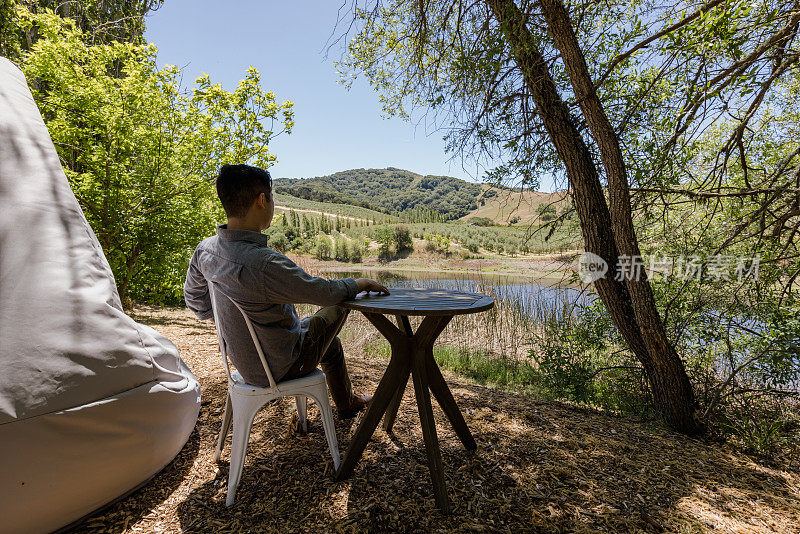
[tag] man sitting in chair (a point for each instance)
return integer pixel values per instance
(267, 284)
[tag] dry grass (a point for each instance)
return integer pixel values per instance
(539, 467)
(507, 204)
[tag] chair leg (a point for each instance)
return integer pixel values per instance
(323, 402)
(302, 413)
(226, 426)
(244, 410)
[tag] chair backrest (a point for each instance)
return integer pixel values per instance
(214, 290)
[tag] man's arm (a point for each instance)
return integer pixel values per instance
(286, 283)
(195, 291)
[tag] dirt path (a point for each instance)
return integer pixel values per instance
(539, 467)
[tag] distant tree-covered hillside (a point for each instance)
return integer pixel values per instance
(389, 190)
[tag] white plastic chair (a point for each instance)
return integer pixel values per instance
(244, 400)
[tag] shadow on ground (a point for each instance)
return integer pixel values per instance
(539, 466)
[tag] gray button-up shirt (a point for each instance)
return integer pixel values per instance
(266, 284)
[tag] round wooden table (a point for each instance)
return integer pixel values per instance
(412, 354)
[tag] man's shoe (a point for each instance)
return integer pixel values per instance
(358, 403)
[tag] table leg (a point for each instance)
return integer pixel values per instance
(412, 353)
(396, 373)
(391, 412)
(445, 398)
(421, 392)
(405, 325)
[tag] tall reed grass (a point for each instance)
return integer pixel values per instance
(500, 338)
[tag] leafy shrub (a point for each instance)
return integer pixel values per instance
(356, 251)
(277, 241)
(323, 248)
(402, 238)
(574, 358)
(547, 212)
(480, 221)
(138, 147)
(437, 243)
(384, 235)
(757, 432)
(340, 249)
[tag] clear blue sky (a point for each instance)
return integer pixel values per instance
(335, 129)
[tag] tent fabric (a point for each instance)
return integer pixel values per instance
(92, 404)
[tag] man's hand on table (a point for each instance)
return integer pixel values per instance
(369, 285)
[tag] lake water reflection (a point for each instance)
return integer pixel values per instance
(534, 299)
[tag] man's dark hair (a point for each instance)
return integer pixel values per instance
(238, 186)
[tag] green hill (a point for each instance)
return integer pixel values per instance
(388, 190)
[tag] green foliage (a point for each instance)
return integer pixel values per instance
(391, 190)
(277, 241)
(392, 240)
(293, 219)
(139, 151)
(577, 358)
(341, 251)
(402, 239)
(494, 238)
(323, 248)
(384, 235)
(356, 251)
(480, 221)
(472, 234)
(419, 214)
(437, 243)
(759, 433)
(547, 212)
(12, 39)
(484, 368)
(103, 21)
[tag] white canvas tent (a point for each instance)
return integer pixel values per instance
(92, 404)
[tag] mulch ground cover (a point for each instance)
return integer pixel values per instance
(539, 467)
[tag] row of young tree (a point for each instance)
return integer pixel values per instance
(303, 234)
(333, 238)
(322, 222)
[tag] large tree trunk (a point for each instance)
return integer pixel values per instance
(607, 233)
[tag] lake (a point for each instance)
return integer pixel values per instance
(530, 297)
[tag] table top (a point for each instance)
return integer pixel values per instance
(421, 301)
